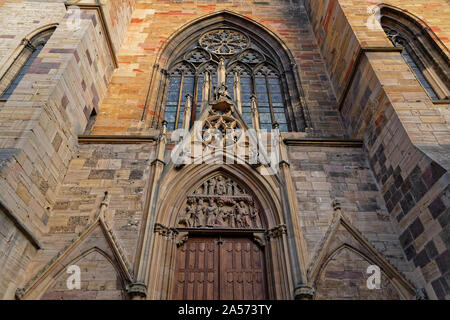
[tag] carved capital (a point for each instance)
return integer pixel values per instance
(181, 238)
(304, 292)
(276, 232)
(20, 292)
(165, 231)
(258, 238)
(137, 289)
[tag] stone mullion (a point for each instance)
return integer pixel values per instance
(292, 124)
(194, 100)
(180, 97)
(269, 97)
(299, 95)
(161, 98)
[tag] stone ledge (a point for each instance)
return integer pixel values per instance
(326, 142)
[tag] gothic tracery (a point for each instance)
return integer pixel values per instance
(249, 70)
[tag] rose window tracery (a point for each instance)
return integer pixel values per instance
(224, 41)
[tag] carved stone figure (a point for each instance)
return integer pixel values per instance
(235, 189)
(219, 202)
(193, 219)
(220, 186)
(212, 186)
(211, 211)
(221, 214)
(185, 220)
(254, 217)
(200, 211)
(247, 221)
(254, 213)
(241, 215)
(229, 187)
(232, 216)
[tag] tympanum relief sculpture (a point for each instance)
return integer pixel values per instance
(220, 202)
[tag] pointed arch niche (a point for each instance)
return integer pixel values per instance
(257, 64)
(212, 200)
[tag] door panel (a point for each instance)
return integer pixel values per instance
(197, 273)
(220, 268)
(242, 270)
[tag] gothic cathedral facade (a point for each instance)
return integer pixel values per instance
(236, 149)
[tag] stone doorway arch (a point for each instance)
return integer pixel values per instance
(175, 223)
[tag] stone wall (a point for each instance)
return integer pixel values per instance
(120, 169)
(324, 174)
(406, 136)
(40, 121)
(154, 22)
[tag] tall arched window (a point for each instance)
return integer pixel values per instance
(425, 58)
(251, 70)
(19, 68)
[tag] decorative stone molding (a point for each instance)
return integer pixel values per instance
(421, 294)
(276, 232)
(336, 205)
(165, 231)
(27, 44)
(304, 292)
(382, 215)
(137, 289)
(181, 238)
(20, 292)
(220, 202)
(259, 239)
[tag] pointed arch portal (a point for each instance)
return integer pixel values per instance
(219, 230)
(219, 234)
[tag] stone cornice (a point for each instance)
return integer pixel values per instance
(122, 139)
(325, 142)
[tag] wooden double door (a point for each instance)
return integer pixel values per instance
(220, 268)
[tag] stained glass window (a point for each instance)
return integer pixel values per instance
(249, 71)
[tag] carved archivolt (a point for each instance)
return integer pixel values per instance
(220, 202)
